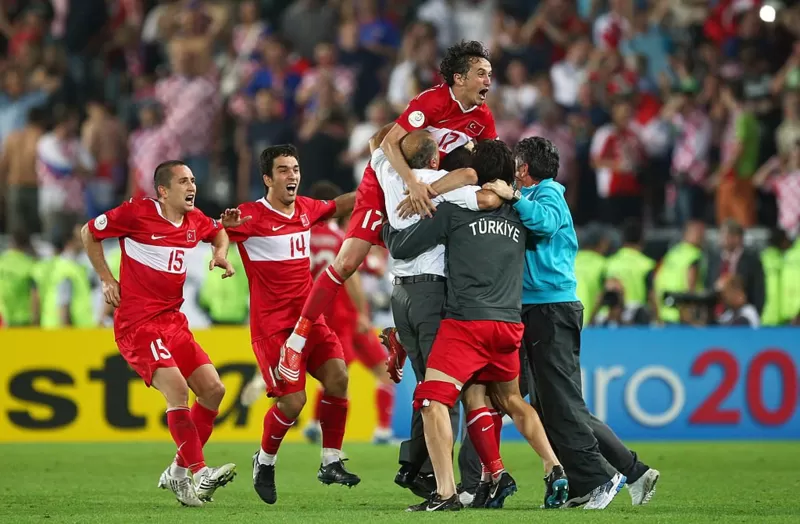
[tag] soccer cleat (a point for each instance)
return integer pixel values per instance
(336, 473)
(421, 485)
(481, 495)
(397, 354)
(436, 503)
(164, 478)
(208, 480)
(601, 496)
(557, 488)
(264, 481)
(382, 436)
(182, 487)
(313, 432)
(289, 366)
(643, 489)
(500, 490)
(253, 390)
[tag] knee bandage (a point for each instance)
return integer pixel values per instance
(443, 392)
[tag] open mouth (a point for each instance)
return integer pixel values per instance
(190, 199)
(482, 93)
(291, 188)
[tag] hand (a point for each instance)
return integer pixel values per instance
(500, 188)
(233, 218)
(363, 323)
(221, 261)
(111, 292)
(420, 194)
(405, 209)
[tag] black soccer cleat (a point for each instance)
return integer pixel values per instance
(264, 481)
(420, 484)
(436, 503)
(500, 490)
(557, 488)
(336, 473)
(481, 495)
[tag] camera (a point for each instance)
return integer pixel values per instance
(702, 298)
(612, 298)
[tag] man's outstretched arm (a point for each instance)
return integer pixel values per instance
(417, 238)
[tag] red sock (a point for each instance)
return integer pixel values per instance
(323, 292)
(497, 419)
(318, 403)
(480, 428)
(184, 433)
(332, 418)
(384, 401)
(276, 424)
(203, 419)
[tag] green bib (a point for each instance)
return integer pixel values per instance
(772, 262)
(672, 276)
(790, 283)
(16, 285)
(50, 275)
(227, 301)
(590, 268)
(631, 267)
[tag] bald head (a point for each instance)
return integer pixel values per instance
(420, 150)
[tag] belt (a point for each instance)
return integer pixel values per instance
(417, 279)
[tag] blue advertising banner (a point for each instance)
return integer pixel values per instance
(681, 383)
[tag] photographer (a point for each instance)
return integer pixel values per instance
(738, 311)
(616, 312)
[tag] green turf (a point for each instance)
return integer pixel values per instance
(108, 483)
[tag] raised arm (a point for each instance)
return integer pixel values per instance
(344, 204)
(418, 238)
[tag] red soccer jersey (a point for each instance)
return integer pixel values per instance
(438, 111)
(276, 252)
(152, 271)
(326, 241)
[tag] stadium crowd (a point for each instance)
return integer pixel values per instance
(665, 113)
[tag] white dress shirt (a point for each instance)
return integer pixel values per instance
(431, 261)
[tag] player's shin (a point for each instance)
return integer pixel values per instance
(530, 426)
(322, 295)
(439, 439)
(276, 425)
(184, 433)
(384, 401)
(203, 419)
(332, 419)
(481, 432)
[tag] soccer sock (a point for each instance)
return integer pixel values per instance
(318, 404)
(332, 418)
(184, 433)
(384, 401)
(323, 292)
(497, 419)
(276, 424)
(203, 419)
(480, 428)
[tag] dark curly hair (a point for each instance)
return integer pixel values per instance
(459, 58)
(273, 152)
(540, 155)
(493, 160)
(458, 158)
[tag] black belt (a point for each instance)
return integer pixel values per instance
(417, 279)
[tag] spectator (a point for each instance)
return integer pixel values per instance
(681, 270)
(783, 179)
(648, 39)
(275, 74)
(326, 69)
(105, 137)
(378, 115)
(738, 310)
(610, 28)
(414, 75)
(266, 129)
(63, 165)
(733, 258)
(18, 292)
(148, 146)
(18, 173)
(569, 74)
(519, 95)
(365, 64)
(305, 23)
(16, 101)
(551, 28)
(788, 132)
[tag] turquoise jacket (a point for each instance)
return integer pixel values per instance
(550, 256)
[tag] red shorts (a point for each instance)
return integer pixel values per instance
(369, 211)
(162, 342)
(483, 350)
(321, 346)
(369, 350)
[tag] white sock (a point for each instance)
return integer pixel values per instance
(485, 475)
(266, 459)
(199, 472)
(296, 342)
(330, 455)
(176, 471)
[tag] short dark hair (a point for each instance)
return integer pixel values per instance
(324, 190)
(425, 152)
(540, 155)
(493, 160)
(459, 58)
(163, 173)
(269, 155)
(21, 237)
(458, 158)
(733, 227)
(632, 232)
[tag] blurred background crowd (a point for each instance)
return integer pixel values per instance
(675, 119)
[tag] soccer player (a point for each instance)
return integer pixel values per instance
(455, 113)
(350, 322)
(276, 251)
(151, 333)
(479, 339)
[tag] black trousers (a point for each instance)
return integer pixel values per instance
(417, 311)
(552, 344)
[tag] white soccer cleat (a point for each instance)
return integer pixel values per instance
(643, 489)
(601, 496)
(253, 390)
(182, 487)
(209, 479)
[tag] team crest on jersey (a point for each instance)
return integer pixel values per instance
(304, 220)
(191, 236)
(416, 119)
(474, 128)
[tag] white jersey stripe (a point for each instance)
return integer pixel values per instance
(161, 258)
(294, 246)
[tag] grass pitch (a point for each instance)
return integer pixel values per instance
(116, 483)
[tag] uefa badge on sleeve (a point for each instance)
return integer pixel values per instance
(304, 220)
(191, 236)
